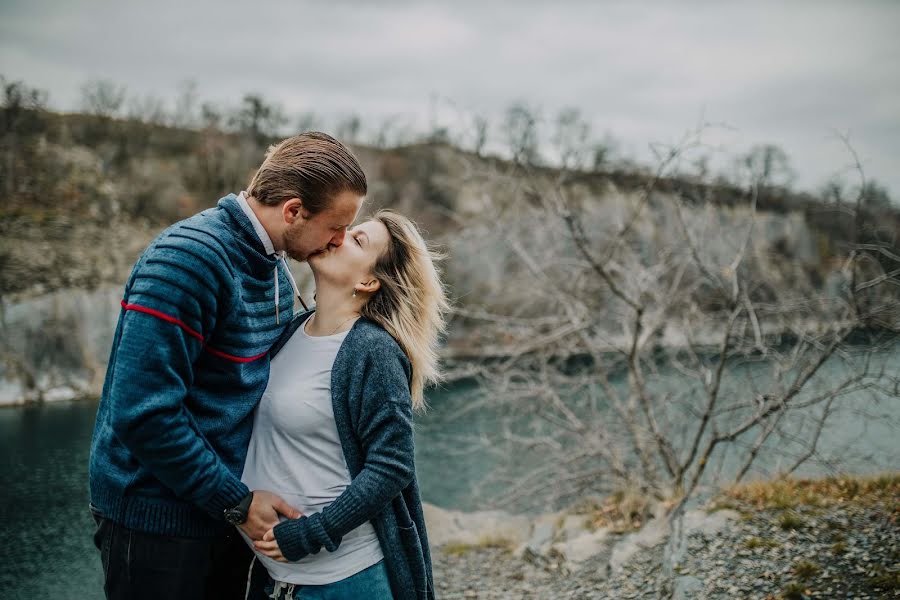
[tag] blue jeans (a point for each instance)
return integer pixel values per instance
(370, 584)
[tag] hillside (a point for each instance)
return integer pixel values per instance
(84, 195)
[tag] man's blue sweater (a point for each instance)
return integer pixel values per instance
(188, 365)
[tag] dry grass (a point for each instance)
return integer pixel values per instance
(794, 591)
(497, 542)
(622, 511)
(752, 543)
(789, 493)
(806, 570)
(886, 579)
(791, 520)
(839, 548)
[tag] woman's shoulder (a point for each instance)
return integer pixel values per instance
(374, 353)
(371, 339)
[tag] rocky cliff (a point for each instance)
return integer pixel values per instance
(86, 195)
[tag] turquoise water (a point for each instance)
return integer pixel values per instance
(45, 535)
(45, 532)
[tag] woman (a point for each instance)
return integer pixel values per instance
(333, 431)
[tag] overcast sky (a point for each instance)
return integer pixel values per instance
(787, 73)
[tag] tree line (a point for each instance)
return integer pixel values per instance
(522, 133)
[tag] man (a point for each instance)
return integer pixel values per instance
(189, 362)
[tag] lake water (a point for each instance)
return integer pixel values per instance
(45, 533)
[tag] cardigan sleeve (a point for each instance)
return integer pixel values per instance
(386, 434)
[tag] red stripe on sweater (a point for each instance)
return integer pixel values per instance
(191, 332)
(164, 317)
(234, 358)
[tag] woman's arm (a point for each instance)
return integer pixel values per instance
(386, 434)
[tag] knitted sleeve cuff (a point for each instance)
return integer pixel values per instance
(298, 538)
(227, 496)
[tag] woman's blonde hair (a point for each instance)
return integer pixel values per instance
(411, 302)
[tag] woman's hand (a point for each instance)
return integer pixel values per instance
(269, 546)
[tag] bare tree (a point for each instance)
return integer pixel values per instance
(148, 109)
(663, 343)
(875, 195)
(20, 116)
(571, 139)
(185, 113)
(258, 118)
(767, 165)
(480, 128)
(603, 152)
(390, 132)
(210, 116)
(19, 101)
(520, 128)
(348, 128)
(102, 98)
(307, 121)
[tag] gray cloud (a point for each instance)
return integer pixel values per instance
(785, 73)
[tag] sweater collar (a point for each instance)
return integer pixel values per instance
(261, 232)
(254, 234)
(245, 228)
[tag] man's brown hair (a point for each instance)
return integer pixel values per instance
(312, 166)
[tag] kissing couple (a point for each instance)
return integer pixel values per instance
(242, 450)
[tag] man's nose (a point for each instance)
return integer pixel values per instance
(338, 238)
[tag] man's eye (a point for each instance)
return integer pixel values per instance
(356, 239)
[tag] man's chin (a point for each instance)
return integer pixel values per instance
(301, 256)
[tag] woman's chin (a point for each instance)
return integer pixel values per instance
(316, 255)
(317, 262)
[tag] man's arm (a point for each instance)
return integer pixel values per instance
(172, 303)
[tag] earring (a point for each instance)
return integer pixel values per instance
(354, 293)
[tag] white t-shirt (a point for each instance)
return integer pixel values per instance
(295, 452)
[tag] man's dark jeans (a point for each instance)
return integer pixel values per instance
(140, 565)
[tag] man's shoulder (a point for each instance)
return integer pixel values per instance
(198, 243)
(204, 229)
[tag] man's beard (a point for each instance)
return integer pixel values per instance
(292, 244)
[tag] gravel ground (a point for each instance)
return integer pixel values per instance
(845, 551)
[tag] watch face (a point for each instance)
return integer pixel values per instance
(235, 517)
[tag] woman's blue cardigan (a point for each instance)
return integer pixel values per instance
(370, 395)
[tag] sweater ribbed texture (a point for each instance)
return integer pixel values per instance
(187, 366)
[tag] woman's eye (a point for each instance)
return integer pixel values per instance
(356, 239)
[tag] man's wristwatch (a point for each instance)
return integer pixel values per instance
(238, 515)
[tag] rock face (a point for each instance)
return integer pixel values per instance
(55, 346)
(567, 540)
(691, 523)
(562, 555)
(649, 536)
(845, 547)
(584, 546)
(687, 588)
(86, 231)
(475, 528)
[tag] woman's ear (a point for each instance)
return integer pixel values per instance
(369, 287)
